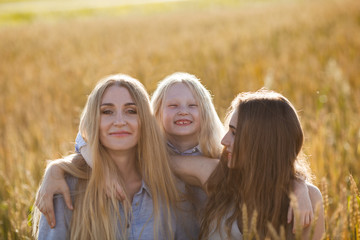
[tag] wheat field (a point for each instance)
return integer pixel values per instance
(307, 50)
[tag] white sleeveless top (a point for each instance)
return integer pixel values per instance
(235, 233)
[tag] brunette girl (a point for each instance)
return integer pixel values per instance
(261, 159)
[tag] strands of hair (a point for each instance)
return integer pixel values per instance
(267, 144)
(152, 161)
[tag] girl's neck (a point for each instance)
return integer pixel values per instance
(182, 143)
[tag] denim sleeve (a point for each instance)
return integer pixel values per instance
(79, 142)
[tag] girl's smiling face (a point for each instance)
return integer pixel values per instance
(180, 112)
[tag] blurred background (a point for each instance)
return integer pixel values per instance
(53, 52)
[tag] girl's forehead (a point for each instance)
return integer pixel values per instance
(179, 90)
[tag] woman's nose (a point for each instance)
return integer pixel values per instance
(225, 140)
(119, 120)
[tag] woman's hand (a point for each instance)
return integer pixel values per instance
(53, 183)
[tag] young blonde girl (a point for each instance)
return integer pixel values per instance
(191, 94)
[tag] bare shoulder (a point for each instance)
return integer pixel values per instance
(319, 222)
(315, 196)
(314, 192)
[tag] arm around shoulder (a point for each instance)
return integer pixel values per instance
(54, 183)
(63, 218)
(194, 170)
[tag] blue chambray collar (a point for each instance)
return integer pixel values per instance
(145, 187)
(190, 151)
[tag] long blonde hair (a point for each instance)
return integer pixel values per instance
(102, 212)
(266, 156)
(211, 126)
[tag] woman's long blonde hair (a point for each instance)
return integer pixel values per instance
(266, 154)
(96, 216)
(211, 126)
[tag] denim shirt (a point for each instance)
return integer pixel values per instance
(195, 151)
(190, 211)
(141, 223)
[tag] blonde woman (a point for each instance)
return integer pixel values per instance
(126, 146)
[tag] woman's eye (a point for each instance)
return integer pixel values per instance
(193, 105)
(233, 133)
(172, 105)
(106, 112)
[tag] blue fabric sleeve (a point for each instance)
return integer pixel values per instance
(79, 142)
(63, 218)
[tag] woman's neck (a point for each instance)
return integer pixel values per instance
(126, 163)
(183, 143)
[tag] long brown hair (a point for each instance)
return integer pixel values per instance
(267, 146)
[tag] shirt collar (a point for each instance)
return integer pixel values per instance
(145, 187)
(191, 151)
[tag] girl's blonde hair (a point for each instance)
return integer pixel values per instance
(211, 126)
(96, 216)
(267, 158)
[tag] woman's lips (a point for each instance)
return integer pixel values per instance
(120, 133)
(229, 156)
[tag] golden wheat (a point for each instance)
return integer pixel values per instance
(307, 50)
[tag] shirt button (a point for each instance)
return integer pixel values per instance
(137, 204)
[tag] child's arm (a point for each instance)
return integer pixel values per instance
(54, 183)
(194, 170)
(62, 215)
(305, 207)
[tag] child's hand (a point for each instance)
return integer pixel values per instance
(305, 217)
(53, 183)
